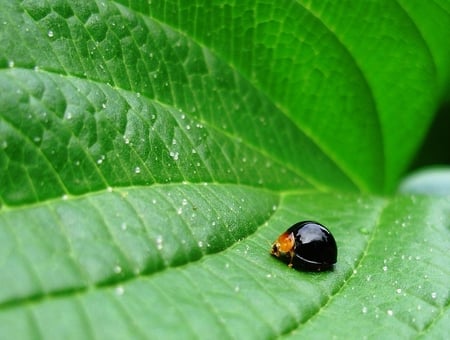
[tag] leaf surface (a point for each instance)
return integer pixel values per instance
(207, 270)
(151, 152)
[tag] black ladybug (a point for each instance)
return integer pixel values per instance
(307, 245)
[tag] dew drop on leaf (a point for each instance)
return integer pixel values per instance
(364, 231)
(174, 155)
(119, 290)
(159, 242)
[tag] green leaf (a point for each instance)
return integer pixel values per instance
(175, 268)
(150, 153)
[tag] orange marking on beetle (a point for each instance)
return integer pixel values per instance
(285, 244)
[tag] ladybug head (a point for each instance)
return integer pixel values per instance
(285, 243)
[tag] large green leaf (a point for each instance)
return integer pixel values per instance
(117, 265)
(151, 152)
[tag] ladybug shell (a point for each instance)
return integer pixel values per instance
(315, 248)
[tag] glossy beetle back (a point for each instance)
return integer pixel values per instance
(314, 248)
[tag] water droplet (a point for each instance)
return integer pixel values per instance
(117, 269)
(237, 289)
(174, 155)
(200, 244)
(433, 295)
(50, 34)
(119, 290)
(399, 290)
(364, 231)
(184, 201)
(179, 210)
(153, 201)
(364, 310)
(385, 268)
(159, 242)
(109, 189)
(64, 197)
(11, 63)
(137, 170)
(124, 226)
(390, 312)
(101, 159)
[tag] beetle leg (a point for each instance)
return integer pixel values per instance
(291, 253)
